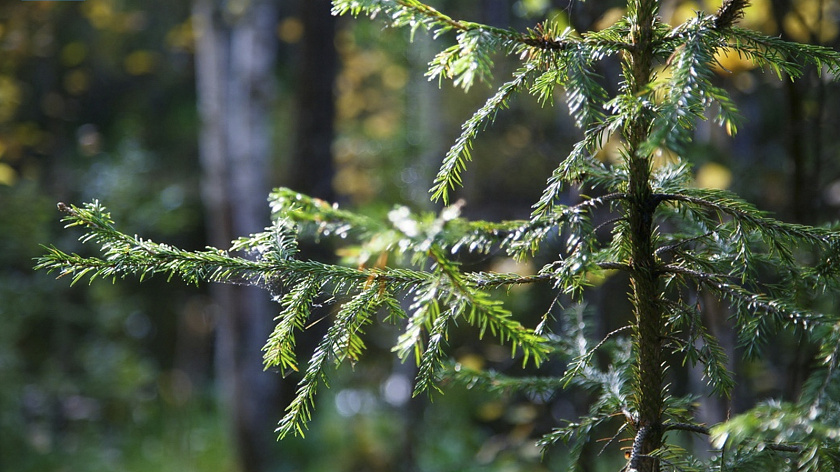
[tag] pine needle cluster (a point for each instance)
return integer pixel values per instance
(670, 238)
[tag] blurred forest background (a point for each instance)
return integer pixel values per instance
(180, 116)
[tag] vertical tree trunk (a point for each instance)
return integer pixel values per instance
(235, 52)
(650, 371)
(312, 167)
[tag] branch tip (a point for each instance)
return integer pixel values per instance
(729, 13)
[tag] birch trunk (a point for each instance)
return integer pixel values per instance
(235, 52)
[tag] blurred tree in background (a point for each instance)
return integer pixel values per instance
(98, 99)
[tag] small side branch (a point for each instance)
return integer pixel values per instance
(607, 338)
(673, 246)
(729, 13)
(723, 203)
(503, 279)
(695, 428)
(700, 276)
(615, 266)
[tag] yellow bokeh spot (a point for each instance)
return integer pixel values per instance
(72, 54)
(8, 176)
(684, 12)
(663, 157)
(349, 105)
(10, 97)
(182, 37)
(491, 411)
(811, 20)
(140, 62)
(759, 16)
(661, 75)
(728, 61)
(76, 82)
(713, 175)
(610, 149)
(597, 279)
(609, 18)
(534, 7)
(394, 77)
(518, 136)
(355, 182)
(290, 30)
(131, 22)
(28, 134)
(382, 125)
(471, 361)
(100, 13)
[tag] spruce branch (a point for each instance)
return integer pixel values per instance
(693, 428)
(470, 58)
(821, 388)
(431, 360)
(123, 254)
(483, 280)
(296, 306)
(578, 434)
(486, 313)
(416, 14)
(672, 247)
(577, 165)
(688, 91)
(572, 69)
(584, 359)
(529, 235)
(781, 427)
(699, 429)
(521, 237)
(451, 295)
(729, 13)
(710, 353)
(756, 314)
(449, 175)
(497, 383)
(341, 342)
(782, 57)
(725, 203)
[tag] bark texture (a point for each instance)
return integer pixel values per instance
(235, 53)
(650, 370)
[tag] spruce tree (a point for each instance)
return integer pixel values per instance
(669, 237)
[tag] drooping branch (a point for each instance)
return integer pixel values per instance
(723, 202)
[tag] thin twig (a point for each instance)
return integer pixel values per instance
(614, 266)
(672, 246)
(694, 428)
(613, 438)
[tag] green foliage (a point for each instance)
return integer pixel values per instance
(675, 242)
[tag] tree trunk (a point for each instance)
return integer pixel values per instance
(650, 370)
(312, 167)
(235, 52)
